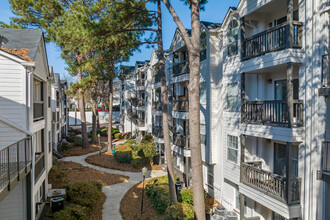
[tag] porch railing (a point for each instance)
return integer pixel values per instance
(13, 160)
(140, 82)
(181, 141)
(158, 132)
(273, 112)
(140, 103)
(156, 78)
(180, 105)
(180, 68)
(271, 40)
(39, 166)
(38, 111)
(326, 156)
(271, 184)
(157, 106)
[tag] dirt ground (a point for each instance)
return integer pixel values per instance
(74, 172)
(130, 205)
(107, 160)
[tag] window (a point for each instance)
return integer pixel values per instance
(210, 175)
(202, 93)
(203, 134)
(232, 148)
(232, 96)
(232, 37)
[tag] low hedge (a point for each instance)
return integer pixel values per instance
(179, 211)
(127, 136)
(56, 173)
(138, 162)
(158, 193)
(117, 136)
(83, 193)
(71, 212)
(123, 156)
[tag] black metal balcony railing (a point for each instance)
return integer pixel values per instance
(326, 156)
(156, 78)
(140, 122)
(180, 68)
(273, 112)
(180, 106)
(131, 113)
(38, 111)
(181, 141)
(13, 160)
(140, 103)
(157, 106)
(158, 132)
(271, 184)
(271, 40)
(140, 82)
(39, 166)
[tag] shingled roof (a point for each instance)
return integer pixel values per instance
(22, 38)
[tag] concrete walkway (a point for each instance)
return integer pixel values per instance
(114, 193)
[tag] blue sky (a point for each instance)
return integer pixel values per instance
(215, 10)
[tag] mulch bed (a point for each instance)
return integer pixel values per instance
(78, 151)
(130, 205)
(107, 160)
(75, 172)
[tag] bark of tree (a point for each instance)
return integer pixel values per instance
(193, 46)
(110, 114)
(98, 119)
(161, 60)
(94, 122)
(82, 114)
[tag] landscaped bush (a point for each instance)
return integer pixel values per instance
(72, 212)
(149, 148)
(117, 136)
(187, 196)
(104, 132)
(114, 131)
(123, 156)
(55, 160)
(157, 191)
(138, 162)
(98, 185)
(127, 135)
(83, 193)
(56, 173)
(180, 211)
(77, 141)
(68, 145)
(147, 138)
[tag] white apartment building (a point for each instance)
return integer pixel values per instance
(24, 151)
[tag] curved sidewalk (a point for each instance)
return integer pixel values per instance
(114, 193)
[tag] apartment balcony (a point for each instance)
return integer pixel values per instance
(156, 78)
(132, 114)
(38, 111)
(130, 95)
(140, 84)
(140, 105)
(181, 106)
(181, 141)
(39, 165)
(180, 68)
(273, 39)
(274, 112)
(325, 172)
(325, 77)
(15, 163)
(158, 132)
(271, 184)
(157, 106)
(140, 122)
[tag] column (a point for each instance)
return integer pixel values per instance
(289, 16)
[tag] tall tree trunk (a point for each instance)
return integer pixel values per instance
(193, 46)
(94, 122)
(75, 114)
(194, 113)
(169, 160)
(110, 114)
(97, 119)
(82, 114)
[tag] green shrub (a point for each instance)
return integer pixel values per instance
(158, 193)
(127, 135)
(131, 142)
(117, 136)
(83, 193)
(104, 132)
(55, 160)
(147, 138)
(98, 185)
(77, 141)
(135, 147)
(149, 149)
(180, 211)
(138, 162)
(123, 156)
(187, 196)
(68, 145)
(56, 173)
(72, 212)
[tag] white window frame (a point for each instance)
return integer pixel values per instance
(229, 147)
